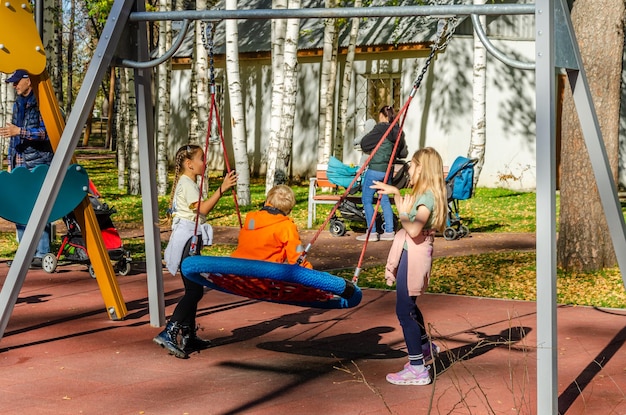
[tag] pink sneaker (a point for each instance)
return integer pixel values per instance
(409, 376)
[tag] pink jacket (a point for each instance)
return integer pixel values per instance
(420, 256)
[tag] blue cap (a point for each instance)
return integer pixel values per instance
(17, 75)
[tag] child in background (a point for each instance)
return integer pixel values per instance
(184, 201)
(421, 213)
(270, 234)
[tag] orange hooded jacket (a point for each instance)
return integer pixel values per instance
(269, 235)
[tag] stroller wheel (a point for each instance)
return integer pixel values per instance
(92, 272)
(463, 231)
(450, 234)
(123, 267)
(337, 228)
(49, 263)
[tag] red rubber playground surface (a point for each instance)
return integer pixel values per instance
(61, 354)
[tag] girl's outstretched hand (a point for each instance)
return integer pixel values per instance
(229, 180)
(384, 188)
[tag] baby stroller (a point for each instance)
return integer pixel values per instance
(351, 208)
(459, 186)
(73, 249)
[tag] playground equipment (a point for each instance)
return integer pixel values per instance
(21, 48)
(553, 27)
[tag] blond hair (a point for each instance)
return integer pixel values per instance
(431, 178)
(282, 198)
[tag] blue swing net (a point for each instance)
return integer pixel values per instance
(274, 282)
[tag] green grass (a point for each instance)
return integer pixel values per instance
(508, 275)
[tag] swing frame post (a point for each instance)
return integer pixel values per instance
(556, 46)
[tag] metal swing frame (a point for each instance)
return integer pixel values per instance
(556, 47)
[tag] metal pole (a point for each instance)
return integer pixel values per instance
(339, 12)
(545, 93)
(147, 167)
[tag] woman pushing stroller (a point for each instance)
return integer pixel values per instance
(377, 169)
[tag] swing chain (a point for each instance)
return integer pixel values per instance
(207, 42)
(445, 29)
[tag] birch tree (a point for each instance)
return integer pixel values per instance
(122, 128)
(70, 57)
(133, 144)
(346, 85)
(57, 74)
(290, 68)
(279, 27)
(584, 242)
(53, 44)
(163, 100)
(134, 177)
(237, 120)
(199, 108)
(327, 86)
(479, 87)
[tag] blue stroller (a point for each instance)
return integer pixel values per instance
(459, 186)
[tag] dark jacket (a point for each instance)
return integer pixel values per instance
(380, 160)
(32, 147)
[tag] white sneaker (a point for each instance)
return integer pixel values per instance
(410, 376)
(373, 237)
(387, 236)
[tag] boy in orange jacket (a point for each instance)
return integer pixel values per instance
(270, 234)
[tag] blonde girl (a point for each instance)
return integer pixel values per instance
(185, 208)
(422, 212)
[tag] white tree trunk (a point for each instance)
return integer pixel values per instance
(163, 101)
(133, 167)
(289, 98)
(330, 99)
(122, 129)
(279, 27)
(328, 51)
(237, 120)
(479, 86)
(200, 80)
(346, 85)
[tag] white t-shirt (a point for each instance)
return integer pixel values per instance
(187, 193)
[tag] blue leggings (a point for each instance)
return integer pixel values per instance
(409, 315)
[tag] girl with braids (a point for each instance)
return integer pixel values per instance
(185, 209)
(377, 169)
(422, 212)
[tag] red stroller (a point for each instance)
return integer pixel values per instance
(73, 249)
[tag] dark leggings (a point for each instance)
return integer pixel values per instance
(185, 311)
(409, 315)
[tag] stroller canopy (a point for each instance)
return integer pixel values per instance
(339, 173)
(460, 179)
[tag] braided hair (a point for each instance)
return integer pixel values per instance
(186, 152)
